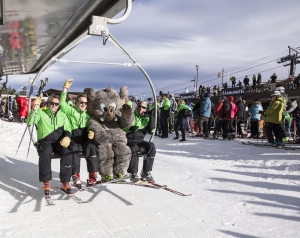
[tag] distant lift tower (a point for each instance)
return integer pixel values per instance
(291, 60)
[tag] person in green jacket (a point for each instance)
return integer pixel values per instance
(164, 115)
(273, 120)
(53, 135)
(183, 111)
(143, 124)
(79, 118)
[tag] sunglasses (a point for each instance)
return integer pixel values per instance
(143, 107)
(83, 103)
(54, 103)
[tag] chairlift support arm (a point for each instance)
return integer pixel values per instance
(98, 27)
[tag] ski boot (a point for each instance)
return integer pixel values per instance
(229, 136)
(107, 178)
(46, 188)
(147, 176)
(94, 178)
(77, 181)
(134, 178)
(66, 187)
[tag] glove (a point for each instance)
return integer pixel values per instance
(65, 142)
(133, 128)
(261, 112)
(37, 102)
(68, 83)
(91, 135)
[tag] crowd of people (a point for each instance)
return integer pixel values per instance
(292, 83)
(230, 118)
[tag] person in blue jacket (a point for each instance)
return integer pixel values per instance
(205, 111)
(255, 111)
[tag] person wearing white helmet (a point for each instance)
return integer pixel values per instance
(287, 104)
(273, 116)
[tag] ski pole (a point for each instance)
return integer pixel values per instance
(21, 140)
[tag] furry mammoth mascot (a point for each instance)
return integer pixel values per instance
(109, 116)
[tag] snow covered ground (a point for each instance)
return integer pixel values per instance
(237, 191)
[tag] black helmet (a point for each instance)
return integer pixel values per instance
(239, 98)
(222, 98)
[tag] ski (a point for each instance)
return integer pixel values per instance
(139, 183)
(170, 190)
(48, 199)
(71, 195)
(262, 145)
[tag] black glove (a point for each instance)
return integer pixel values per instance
(133, 128)
(261, 112)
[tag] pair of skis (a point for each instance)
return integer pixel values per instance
(49, 201)
(275, 147)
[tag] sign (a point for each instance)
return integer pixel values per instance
(188, 96)
(232, 91)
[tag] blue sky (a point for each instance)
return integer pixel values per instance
(168, 38)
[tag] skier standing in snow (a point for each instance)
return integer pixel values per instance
(53, 134)
(79, 118)
(240, 116)
(229, 117)
(143, 123)
(164, 115)
(183, 111)
(274, 119)
(205, 111)
(255, 111)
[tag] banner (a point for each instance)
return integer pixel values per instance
(188, 96)
(232, 91)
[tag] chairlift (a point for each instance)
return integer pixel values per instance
(98, 27)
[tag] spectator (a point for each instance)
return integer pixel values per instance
(291, 82)
(274, 119)
(273, 82)
(164, 115)
(219, 90)
(233, 81)
(258, 81)
(255, 111)
(173, 109)
(297, 82)
(254, 83)
(240, 84)
(240, 116)
(246, 82)
(205, 111)
(229, 117)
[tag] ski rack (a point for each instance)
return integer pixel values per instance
(98, 27)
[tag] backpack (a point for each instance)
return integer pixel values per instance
(226, 107)
(173, 107)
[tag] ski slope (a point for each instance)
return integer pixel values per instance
(237, 191)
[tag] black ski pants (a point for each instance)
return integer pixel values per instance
(164, 124)
(219, 125)
(148, 157)
(273, 128)
(91, 156)
(45, 150)
(254, 127)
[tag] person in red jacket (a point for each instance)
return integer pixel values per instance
(220, 121)
(229, 119)
(23, 105)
